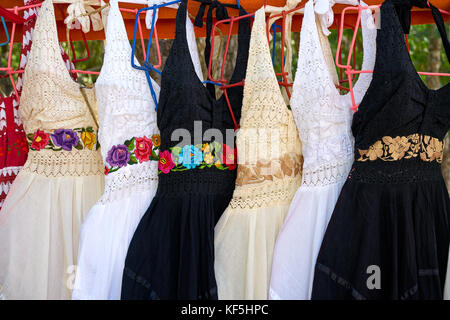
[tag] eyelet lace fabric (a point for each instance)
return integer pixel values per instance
(322, 115)
(126, 110)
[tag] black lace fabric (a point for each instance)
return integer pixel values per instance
(171, 255)
(393, 212)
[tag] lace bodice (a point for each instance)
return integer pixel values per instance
(126, 109)
(52, 100)
(268, 144)
(322, 115)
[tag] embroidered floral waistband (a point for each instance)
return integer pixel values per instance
(393, 149)
(131, 152)
(63, 139)
(201, 156)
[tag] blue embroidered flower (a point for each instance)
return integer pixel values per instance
(190, 156)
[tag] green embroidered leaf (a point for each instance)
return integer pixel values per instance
(113, 169)
(89, 129)
(175, 151)
(154, 155)
(79, 145)
(30, 136)
(133, 159)
(97, 145)
(18, 153)
(131, 145)
(78, 129)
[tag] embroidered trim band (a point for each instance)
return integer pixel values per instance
(64, 139)
(393, 149)
(201, 156)
(133, 151)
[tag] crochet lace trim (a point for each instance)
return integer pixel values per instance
(75, 163)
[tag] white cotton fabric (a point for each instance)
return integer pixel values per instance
(126, 110)
(45, 207)
(323, 119)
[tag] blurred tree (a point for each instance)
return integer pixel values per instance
(424, 41)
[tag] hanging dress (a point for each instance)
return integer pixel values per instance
(388, 237)
(171, 255)
(269, 173)
(130, 140)
(324, 119)
(60, 181)
(13, 145)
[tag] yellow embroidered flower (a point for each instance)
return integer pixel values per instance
(208, 158)
(375, 151)
(434, 150)
(397, 147)
(156, 139)
(206, 148)
(415, 140)
(88, 139)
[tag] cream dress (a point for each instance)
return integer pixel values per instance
(269, 173)
(43, 212)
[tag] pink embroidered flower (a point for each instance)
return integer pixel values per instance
(40, 140)
(165, 163)
(143, 149)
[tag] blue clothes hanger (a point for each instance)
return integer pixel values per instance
(147, 67)
(274, 28)
(6, 32)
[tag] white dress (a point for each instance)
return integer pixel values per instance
(268, 175)
(60, 181)
(126, 111)
(323, 119)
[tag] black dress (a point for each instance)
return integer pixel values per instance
(388, 237)
(171, 255)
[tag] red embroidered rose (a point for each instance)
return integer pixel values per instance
(106, 170)
(40, 140)
(165, 163)
(143, 149)
(229, 157)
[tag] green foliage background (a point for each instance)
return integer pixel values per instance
(419, 41)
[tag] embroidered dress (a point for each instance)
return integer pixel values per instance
(323, 118)
(130, 141)
(171, 255)
(60, 181)
(388, 237)
(13, 144)
(269, 173)
(11, 127)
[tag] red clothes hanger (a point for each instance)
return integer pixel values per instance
(223, 82)
(284, 73)
(349, 69)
